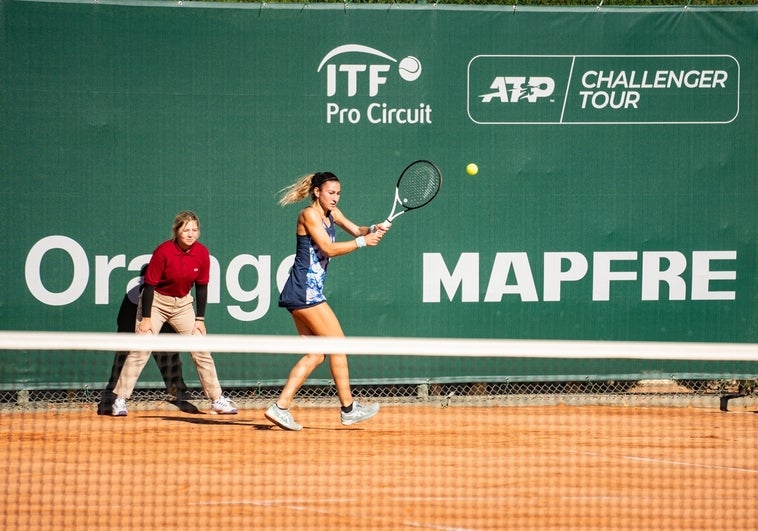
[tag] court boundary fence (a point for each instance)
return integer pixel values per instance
(721, 394)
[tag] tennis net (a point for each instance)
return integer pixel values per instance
(72, 369)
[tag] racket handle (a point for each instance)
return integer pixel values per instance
(386, 224)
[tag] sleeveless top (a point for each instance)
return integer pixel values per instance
(305, 284)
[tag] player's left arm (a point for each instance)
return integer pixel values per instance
(201, 300)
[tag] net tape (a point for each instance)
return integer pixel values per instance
(398, 346)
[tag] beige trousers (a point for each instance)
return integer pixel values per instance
(180, 314)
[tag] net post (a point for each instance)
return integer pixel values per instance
(422, 391)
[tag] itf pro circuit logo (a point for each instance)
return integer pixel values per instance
(358, 78)
(641, 89)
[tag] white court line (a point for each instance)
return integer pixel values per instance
(294, 506)
(666, 462)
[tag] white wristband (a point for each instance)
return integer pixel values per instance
(360, 241)
(372, 229)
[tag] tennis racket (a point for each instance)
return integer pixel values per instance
(416, 187)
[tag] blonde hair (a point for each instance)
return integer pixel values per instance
(304, 187)
(182, 218)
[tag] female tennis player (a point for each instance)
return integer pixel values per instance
(303, 292)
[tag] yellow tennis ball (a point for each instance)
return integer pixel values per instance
(472, 169)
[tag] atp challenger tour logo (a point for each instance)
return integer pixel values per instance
(600, 89)
(357, 76)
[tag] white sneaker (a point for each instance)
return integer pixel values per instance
(359, 413)
(282, 418)
(222, 406)
(118, 409)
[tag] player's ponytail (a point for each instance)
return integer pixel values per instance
(297, 191)
(304, 187)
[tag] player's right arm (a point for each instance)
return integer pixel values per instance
(311, 223)
(354, 229)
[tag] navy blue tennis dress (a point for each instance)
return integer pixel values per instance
(305, 285)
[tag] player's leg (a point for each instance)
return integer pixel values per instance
(136, 360)
(318, 320)
(325, 323)
(183, 321)
(170, 365)
(279, 413)
(108, 397)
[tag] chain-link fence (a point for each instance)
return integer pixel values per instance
(670, 392)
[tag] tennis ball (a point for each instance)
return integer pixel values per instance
(472, 169)
(409, 68)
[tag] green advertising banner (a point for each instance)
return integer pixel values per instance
(615, 197)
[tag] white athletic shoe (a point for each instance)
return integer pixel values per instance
(118, 409)
(282, 418)
(222, 406)
(359, 413)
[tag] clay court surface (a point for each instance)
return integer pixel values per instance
(455, 468)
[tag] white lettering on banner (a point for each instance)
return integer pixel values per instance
(33, 274)
(132, 288)
(555, 275)
(602, 89)
(379, 113)
(660, 79)
(375, 79)
(383, 114)
(604, 275)
(510, 89)
(658, 268)
(601, 99)
(465, 275)
(248, 278)
(353, 80)
(103, 269)
(261, 291)
(498, 285)
(702, 275)
(653, 275)
(336, 114)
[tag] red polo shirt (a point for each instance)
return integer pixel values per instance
(173, 271)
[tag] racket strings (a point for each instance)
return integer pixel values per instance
(419, 184)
